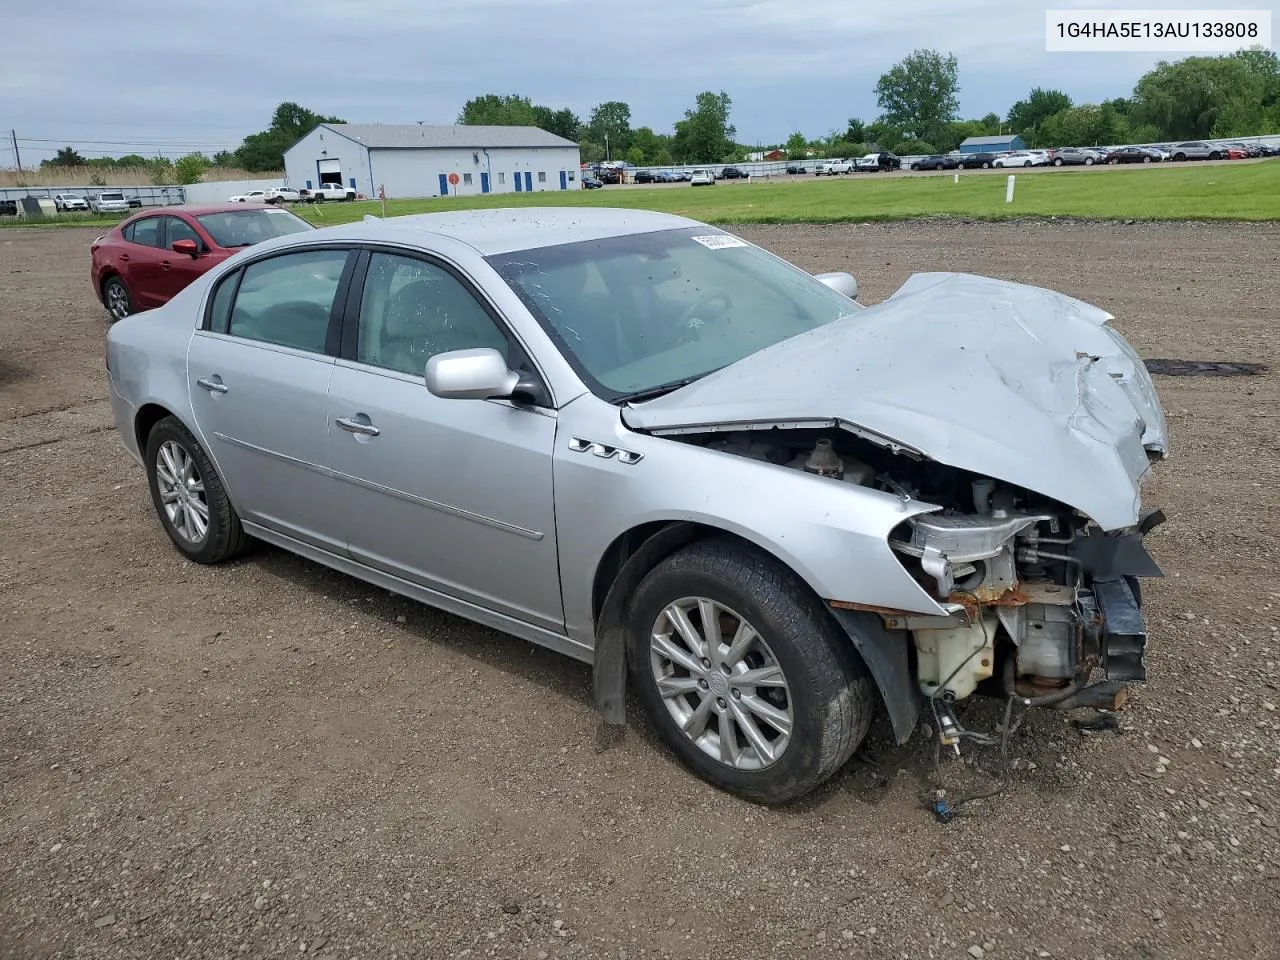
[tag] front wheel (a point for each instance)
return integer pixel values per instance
(744, 673)
(1088, 161)
(189, 497)
(1146, 159)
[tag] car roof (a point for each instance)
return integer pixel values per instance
(506, 229)
(198, 210)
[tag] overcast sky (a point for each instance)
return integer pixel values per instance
(202, 75)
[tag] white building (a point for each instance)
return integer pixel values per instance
(423, 160)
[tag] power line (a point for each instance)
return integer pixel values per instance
(125, 143)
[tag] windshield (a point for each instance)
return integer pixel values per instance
(636, 314)
(111, 196)
(243, 228)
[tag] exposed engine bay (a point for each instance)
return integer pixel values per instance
(1037, 597)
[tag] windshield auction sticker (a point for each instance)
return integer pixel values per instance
(1156, 31)
(719, 241)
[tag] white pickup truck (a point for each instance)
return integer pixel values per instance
(832, 167)
(271, 195)
(329, 191)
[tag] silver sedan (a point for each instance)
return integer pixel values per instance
(767, 511)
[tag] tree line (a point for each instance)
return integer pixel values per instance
(1234, 95)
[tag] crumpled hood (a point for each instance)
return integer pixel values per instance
(1013, 382)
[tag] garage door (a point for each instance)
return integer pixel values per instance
(330, 166)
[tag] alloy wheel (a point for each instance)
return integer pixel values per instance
(117, 300)
(721, 684)
(182, 492)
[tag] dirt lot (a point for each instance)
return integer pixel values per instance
(268, 759)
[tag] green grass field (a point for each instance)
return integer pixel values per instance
(1243, 191)
(1249, 191)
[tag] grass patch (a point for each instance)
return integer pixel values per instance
(1249, 191)
(67, 220)
(1241, 191)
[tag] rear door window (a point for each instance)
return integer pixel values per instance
(145, 232)
(288, 300)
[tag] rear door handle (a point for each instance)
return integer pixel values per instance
(213, 384)
(360, 426)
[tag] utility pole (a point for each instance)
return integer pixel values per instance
(17, 157)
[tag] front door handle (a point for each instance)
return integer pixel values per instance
(360, 426)
(213, 384)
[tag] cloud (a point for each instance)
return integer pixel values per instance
(207, 74)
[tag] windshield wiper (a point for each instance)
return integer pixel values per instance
(654, 392)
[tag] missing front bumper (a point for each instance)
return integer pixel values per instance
(1124, 631)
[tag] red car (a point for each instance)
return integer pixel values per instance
(151, 256)
(1236, 153)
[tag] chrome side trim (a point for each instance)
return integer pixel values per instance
(389, 491)
(432, 598)
(275, 455)
(437, 505)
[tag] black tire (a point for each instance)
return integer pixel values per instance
(1146, 159)
(1057, 162)
(985, 165)
(319, 198)
(1179, 157)
(831, 696)
(116, 298)
(1088, 161)
(225, 538)
(1215, 155)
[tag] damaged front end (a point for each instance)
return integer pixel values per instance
(1039, 597)
(1033, 600)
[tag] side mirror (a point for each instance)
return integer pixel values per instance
(840, 282)
(478, 374)
(188, 247)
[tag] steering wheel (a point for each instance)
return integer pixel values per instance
(685, 324)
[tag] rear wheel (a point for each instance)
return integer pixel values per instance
(1179, 156)
(985, 165)
(1057, 162)
(744, 673)
(1146, 159)
(115, 295)
(189, 497)
(1215, 155)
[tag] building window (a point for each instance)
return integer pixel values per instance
(502, 177)
(466, 179)
(571, 177)
(542, 177)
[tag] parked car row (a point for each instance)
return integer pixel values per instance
(871, 163)
(600, 174)
(278, 195)
(1089, 156)
(110, 201)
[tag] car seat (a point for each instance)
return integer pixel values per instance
(424, 318)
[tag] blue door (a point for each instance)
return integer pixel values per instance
(444, 185)
(352, 181)
(528, 181)
(519, 182)
(484, 183)
(308, 184)
(564, 180)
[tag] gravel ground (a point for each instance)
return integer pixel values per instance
(267, 759)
